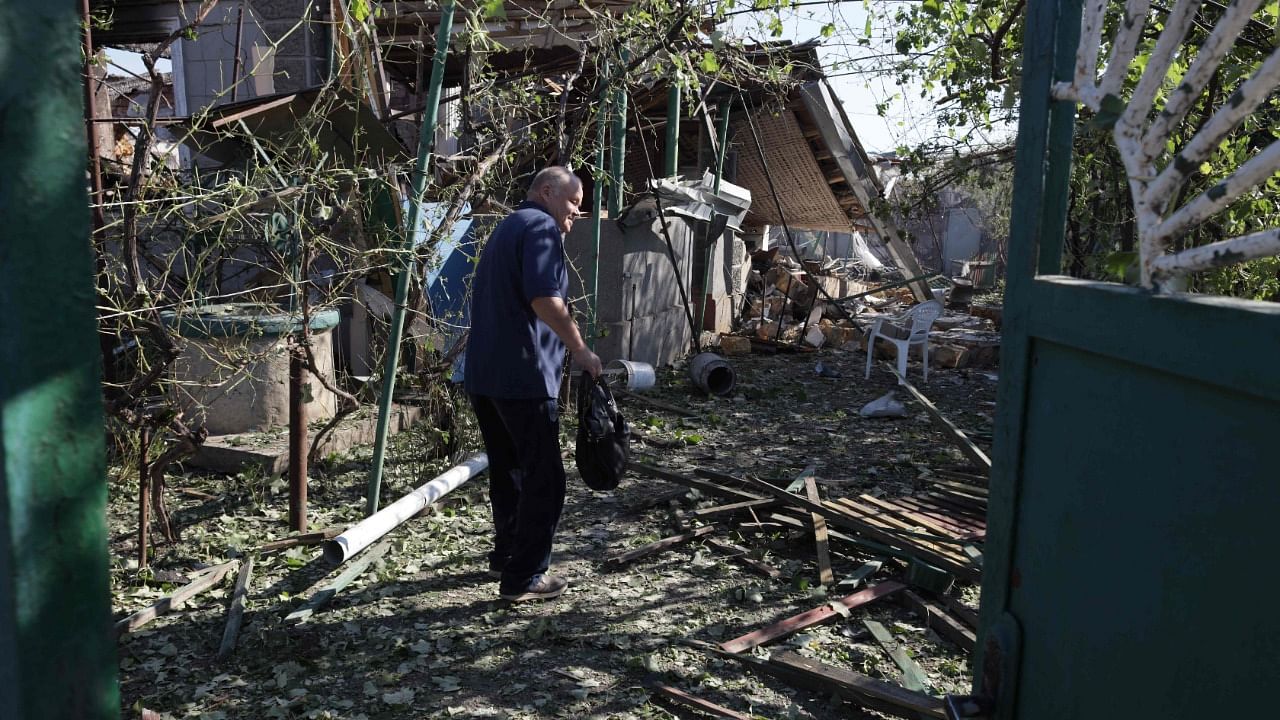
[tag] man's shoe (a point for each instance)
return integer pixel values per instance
(541, 587)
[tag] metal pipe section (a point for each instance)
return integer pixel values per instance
(297, 442)
(723, 143)
(673, 129)
(617, 160)
(426, 143)
(362, 535)
(597, 210)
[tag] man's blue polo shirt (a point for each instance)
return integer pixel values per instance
(511, 354)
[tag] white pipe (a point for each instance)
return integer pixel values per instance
(357, 538)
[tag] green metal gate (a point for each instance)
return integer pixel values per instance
(1129, 565)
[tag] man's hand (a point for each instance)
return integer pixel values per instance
(553, 312)
(588, 361)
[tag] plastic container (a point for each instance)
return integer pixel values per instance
(636, 375)
(712, 374)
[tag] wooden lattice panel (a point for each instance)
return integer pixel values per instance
(803, 191)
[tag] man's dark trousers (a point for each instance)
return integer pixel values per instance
(526, 483)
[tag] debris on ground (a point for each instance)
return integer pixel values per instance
(420, 631)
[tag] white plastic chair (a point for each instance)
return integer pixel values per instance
(913, 326)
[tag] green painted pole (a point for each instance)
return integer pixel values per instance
(597, 206)
(673, 129)
(426, 142)
(722, 142)
(58, 655)
(617, 164)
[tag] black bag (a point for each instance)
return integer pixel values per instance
(604, 438)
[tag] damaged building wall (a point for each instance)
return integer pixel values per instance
(641, 316)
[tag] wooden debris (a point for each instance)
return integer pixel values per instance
(663, 544)
(731, 345)
(825, 576)
(962, 611)
(971, 451)
(205, 580)
(627, 395)
(865, 523)
(732, 508)
(869, 692)
(702, 485)
(854, 687)
(942, 623)
(311, 538)
(743, 556)
(680, 697)
(816, 616)
(322, 596)
(913, 677)
(235, 611)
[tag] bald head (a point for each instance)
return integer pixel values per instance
(559, 192)
(556, 179)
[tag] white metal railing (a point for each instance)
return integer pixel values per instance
(1155, 174)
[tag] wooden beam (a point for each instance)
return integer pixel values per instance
(743, 555)
(626, 395)
(962, 611)
(680, 697)
(663, 544)
(704, 486)
(321, 597)
(942, 623)
(825, 576)
(817, 616)
(311, 538)
(205, 580)
(733, 508)
(235, 611)
(863, 690)
(913, 677)
(838, 135)
(971, 451)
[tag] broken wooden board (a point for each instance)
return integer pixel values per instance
(913, 676)
(875, 694)
(817, 616)
(701, 485)
(680, 697)
(627, 395)
(742, 555)
(205, 580)
(825, 576)
(321, 597)
(941, 622)
(660, 545)
(971, 451)
(732, 508)
(310, 538)
(235, 610)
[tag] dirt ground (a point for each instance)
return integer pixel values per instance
(423, 633)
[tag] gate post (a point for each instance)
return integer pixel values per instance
(57, 652)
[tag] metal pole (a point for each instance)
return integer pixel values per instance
(597, 210)
(426, 141)
(297, 441)
(618, 165)
(673, 129)
(58, 657)
(144, 494)
(236, 65)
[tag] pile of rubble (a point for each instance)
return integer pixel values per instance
(812, 305)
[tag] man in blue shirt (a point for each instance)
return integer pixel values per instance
(520, 328)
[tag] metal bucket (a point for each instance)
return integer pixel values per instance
(712, 374)
(636, 375)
